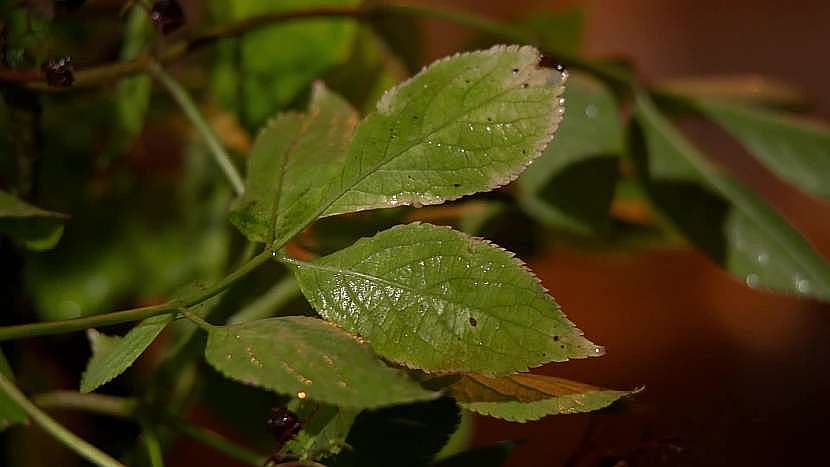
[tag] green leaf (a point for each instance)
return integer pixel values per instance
(404, 436)
(35, 228)
(291, 156)
(494, 455)
(572, 185)
(325, 433)
(465, 124)
(10, 412)
(308, 357)
(111, 356)
(275, 64)
(523, 397)
(733, 225)
(796, 150)
(432, 298)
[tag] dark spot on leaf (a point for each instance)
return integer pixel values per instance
(473, 322)
(525, 85)
(515, 70)
(555, 338)
(562, 346)
(489, 119)
(456, 185)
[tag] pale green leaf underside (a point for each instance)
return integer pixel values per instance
(760, 247)
(292, 154)
(10, 412)
(465, 124)
(525, 397)
(112, 355)
(796, 150)
(435, 299)
(293, 355)
(36, 228)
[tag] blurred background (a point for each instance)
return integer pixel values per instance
(732, 376)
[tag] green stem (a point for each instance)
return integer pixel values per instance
(216, 441)
(199, 321)
(113, 406)
(69, 439)
(180, 95)
(265, 306)
(136, 314)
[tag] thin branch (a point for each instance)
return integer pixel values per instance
(107, 73)
(180, 95)
(135, 314)
(66, 437)
(112, 406)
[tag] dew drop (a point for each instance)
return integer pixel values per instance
(802, 285)
(302, 395)
(229, 356)
(488, 128)
(515, 71)
(762, 258)
(752, 280)
(598, 351)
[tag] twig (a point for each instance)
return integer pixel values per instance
(107, 73)
(66, 437)
(180, 95)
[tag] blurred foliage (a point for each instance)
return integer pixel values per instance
(110, 202)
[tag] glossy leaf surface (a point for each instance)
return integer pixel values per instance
(291, 157)
(465, 124)
(432, 298)
(308, 358)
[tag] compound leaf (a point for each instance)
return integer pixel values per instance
(797, 150)
(435, 299)
(112, 355)
(734, 226)
(468, 123)
(523, 397)
(290, 157)
(309, 358)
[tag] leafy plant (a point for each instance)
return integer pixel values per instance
(407, 325)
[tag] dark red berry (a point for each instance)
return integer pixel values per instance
(167, 16)
(283, 424)
(59, 72)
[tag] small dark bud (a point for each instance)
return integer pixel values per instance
(68, 5)
(283, 424)
(167, 16)
(59, 72)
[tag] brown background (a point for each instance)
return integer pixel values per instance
(733, 376)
